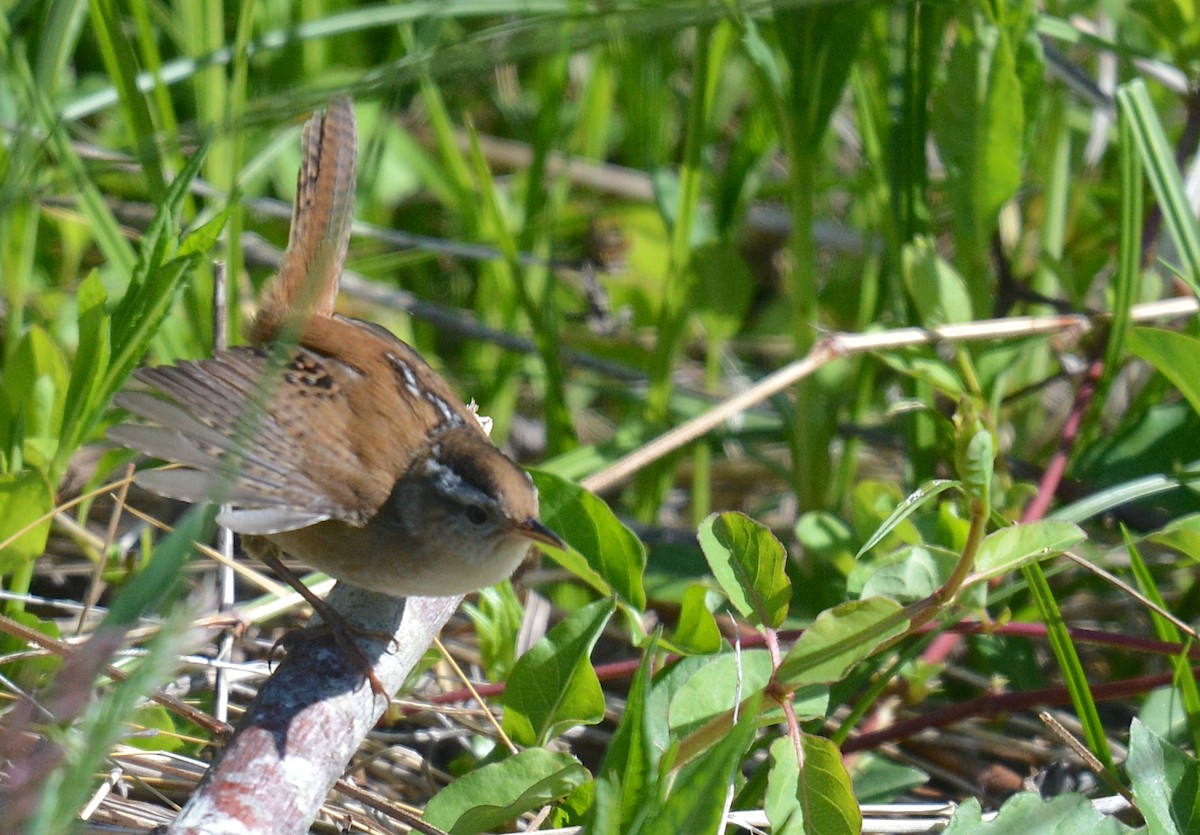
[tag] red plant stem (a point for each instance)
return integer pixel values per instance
(783, 696)
(1052, 477)
(622, 670)
(996, 703)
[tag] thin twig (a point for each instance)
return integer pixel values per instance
(840, 345)
(110, 535)
(508, 743)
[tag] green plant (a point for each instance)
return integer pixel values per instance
(798, 238)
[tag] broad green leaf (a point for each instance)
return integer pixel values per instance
(817, 800)
(936, 288)
(1165, 782)
(615, 557)
(666, 686)
(1175, 355)
(496, 794)
(25, 497)
(911, 504)
(554, 686)
(839, 638)
(697, 799)
(697, 631)
(1027, 813)
(748, 561)
(703, 704)
(1010, 548)
(717, 687)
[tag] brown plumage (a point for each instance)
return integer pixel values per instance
(342, 447)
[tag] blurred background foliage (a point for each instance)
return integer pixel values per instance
(601, 218)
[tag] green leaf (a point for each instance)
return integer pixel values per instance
(615, 557)
(696, 630)
(201, 241)
(974, 455)
(936, 288)
(84, 401)
(627, 783)
(1158, 160)
(1027, 813)
(1165, 782)
(979, 121)
(1175, 355)
(818, 800)
(717, 687)
(667, 685)
(24, 497)
(877, 779)
(154, 281)
(748, 561)
(839, 638)
(697, 799)
(496, 615)
(121, 62)
(103, 723)
(909, 574)
(35, 384)
(1183, 535)
(496, 794)
(823, 533)
(553, 686)
(1010, 548)
(1075, 676)
(911, 504)
(152, 717)
(820, 43)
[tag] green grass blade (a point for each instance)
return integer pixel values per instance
(1159, 162)
(1074, 676)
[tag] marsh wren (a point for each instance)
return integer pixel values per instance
(329, 437)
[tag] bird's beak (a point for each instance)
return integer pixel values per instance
(535, 530)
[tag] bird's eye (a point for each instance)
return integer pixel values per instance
(476, 515)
